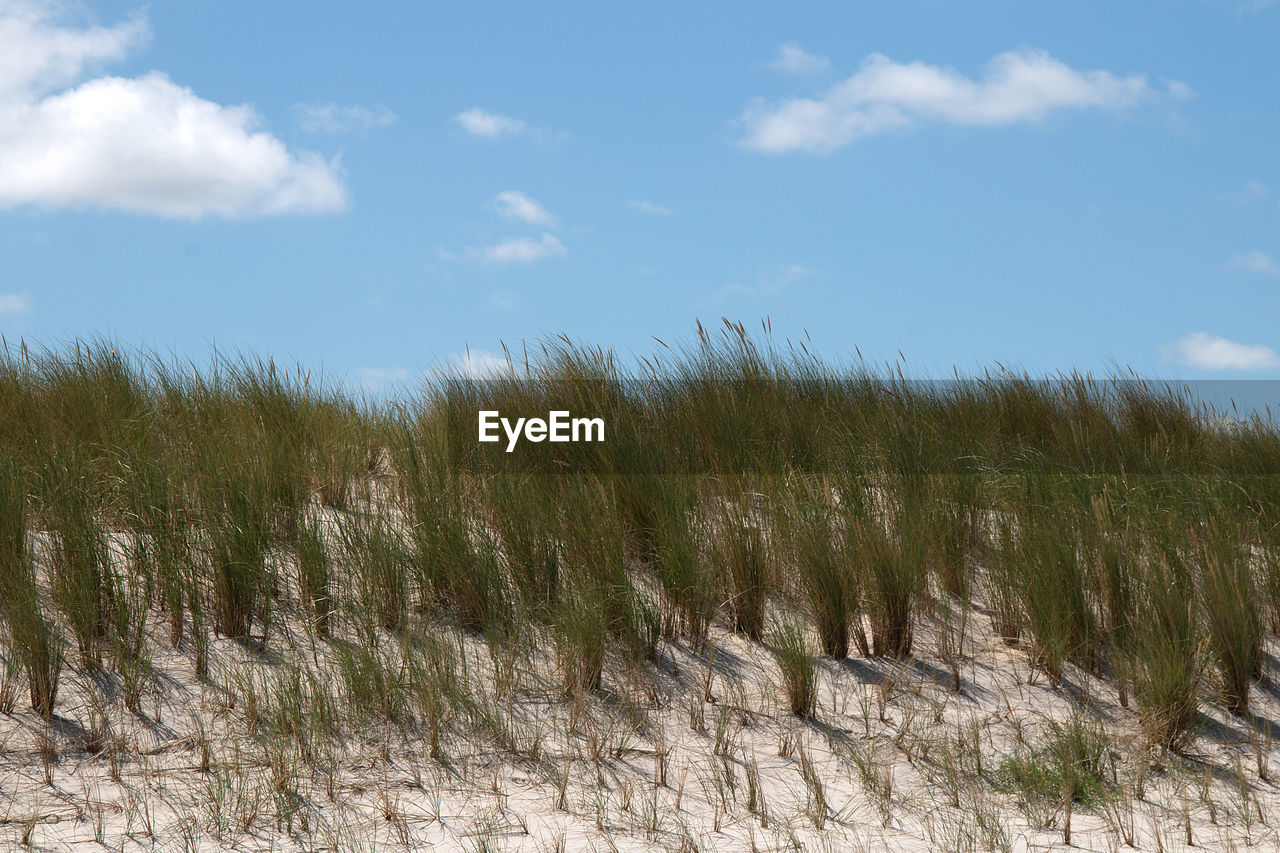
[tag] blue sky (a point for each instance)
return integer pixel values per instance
(377, 189)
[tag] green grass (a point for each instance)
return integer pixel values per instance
(36, 641)
(1073, 763)
(798, 668)
(827, 581)
(741, 480)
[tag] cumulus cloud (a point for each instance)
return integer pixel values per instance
(40, 56)
(145, 144)
(15, 303)
(514, 204)
(1016, 86)
(333, 118)
(524, 250)
(478, 122)
(1210, 352)
(649, 207)
(793, 59)
(1254, 262)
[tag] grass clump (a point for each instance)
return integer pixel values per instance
(239, 534)
(315, 575)
(1233, 611)
(827, 581)
(1167, 659)
(1053, 587)
(34, 640)
(798, 667)
(81, 571)
(1073, 764)
(742, 553)
(890, 554)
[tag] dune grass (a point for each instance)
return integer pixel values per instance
(1111, 526)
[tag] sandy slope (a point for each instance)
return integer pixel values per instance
(697, 752)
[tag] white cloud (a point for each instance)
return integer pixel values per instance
(513, 204)
(332, 118)
(768, 282)
(649, 207)
(524, 250)
(16, 303)
(1210, 352)
(1178, 90)
(1017, 86)
(1252, 191)
(793, 59)
(40, 56)
(145, 145)
(1254, 262)
(478, 364)
(478, 122)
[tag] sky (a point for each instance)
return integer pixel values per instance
(383, 190)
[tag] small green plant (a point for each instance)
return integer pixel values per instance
(371, 683)
(1073, 764)
(816, 804)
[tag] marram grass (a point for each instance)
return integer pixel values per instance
(1106, 528)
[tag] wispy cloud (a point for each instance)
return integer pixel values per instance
(1252, 191)
(1017, 86)
(1254, 262)
(768, 282)
(524, 250)
(1252, 7)
(144, 144)
(489, 125)
(649, 207)
(1210, 352)
(333, 118)
(16, 303)
(514, 204)
(478, 122)
(476, 364)
(793, 59)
